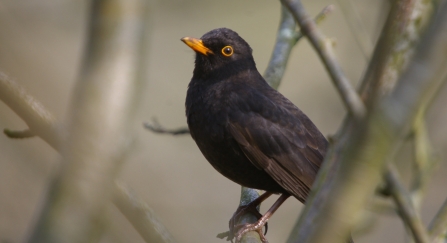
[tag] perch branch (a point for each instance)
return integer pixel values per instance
(247, 195)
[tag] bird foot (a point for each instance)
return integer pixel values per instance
(252, 227)
(241, 210)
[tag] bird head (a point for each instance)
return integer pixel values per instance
(219, 52)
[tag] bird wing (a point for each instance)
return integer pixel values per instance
(281, 140)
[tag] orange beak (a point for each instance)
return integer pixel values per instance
(197, 45)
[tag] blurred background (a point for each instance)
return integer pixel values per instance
(41, 46)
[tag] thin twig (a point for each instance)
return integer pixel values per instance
(18, 134)
(157, 128)
(323, 46)
(286, 38)
(438, 226)
(424, 159)
(405, 206)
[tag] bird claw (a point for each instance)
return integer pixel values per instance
(251, 227)
(241, 210)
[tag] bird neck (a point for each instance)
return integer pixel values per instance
(214, 72)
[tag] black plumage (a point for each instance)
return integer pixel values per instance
(247, 130)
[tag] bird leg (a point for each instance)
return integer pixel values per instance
(262, 221)
(243, 209)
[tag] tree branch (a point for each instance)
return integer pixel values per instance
(157, 128)
(323, 47)
(18, 134)
(286, 38)
(403, 28)
(361, 153)
(247, 196)
(141, 216)
(405, 206)
(98, 130)
(39, 120)
(438, 226)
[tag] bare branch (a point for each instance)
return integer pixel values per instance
(286, 39)
(141, 216)
(438, 226)
(424, 160)
(405, 206)
(128, 205)
(323, 46)
(98, 133)
(247, 196)
(19, 134)
(39, 120)
(404, 25)
(157, 128)
(359, 156)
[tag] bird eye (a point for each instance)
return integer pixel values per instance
(227, 51)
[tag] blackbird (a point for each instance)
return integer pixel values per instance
(248, 131)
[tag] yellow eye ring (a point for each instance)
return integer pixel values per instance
(227, 51)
